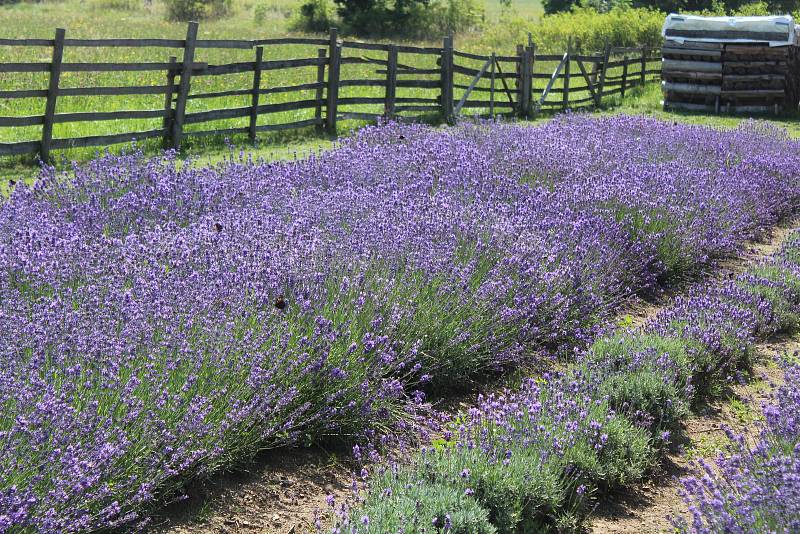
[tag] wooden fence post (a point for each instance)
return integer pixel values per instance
(565, 94)
(52, 95)
(183, 88)
(256, 89)
(168, 112)
(321, 54)
(624, 74)
(335, 52)
(491, 86)
(644, 66)
(391, 81)
(602, 87)
(447, 78)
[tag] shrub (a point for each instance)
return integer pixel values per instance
(402, 502)
(314, 16)
(591, 30)
(410, 18)
(185, 10)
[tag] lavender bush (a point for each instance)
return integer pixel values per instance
(533, 459)
(161, 321)
(752, 487)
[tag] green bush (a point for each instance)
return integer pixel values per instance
(314, 16)
(590, 30)
(403, 18)
(401, 502)
(185, 10)
(521, 493)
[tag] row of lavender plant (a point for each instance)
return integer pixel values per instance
(535, 459)
(161, 320)
(752, 487)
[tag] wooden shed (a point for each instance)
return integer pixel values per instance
(730, 64)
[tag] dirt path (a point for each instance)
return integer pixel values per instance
(645, 509)
(282, 490)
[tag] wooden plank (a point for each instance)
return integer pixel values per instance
(391, 81)
(592, 93)
(361, 100)
(26, 120)
(220, 94)
(693, 44)
(552, 81)
(287, 106)
(102, 140)
(217, 114)
(362, 83)
(505, 85)
(467, 55)
(755, 77)
(23, 93)
(691, 88)
(447, 78)
(24, 67)
(127, 43)
(422, 84)
(224, 43)
(472, 85)
(122, 67)
(755, 93)
(299, 87)
(365, 46)
(256, 92)
(52, 94)
(467, 71)
(84, 116)
(290, 41)
(726, 34)
(184, 86)
(319, 86)
(361, 61)
(112, 91)
(23, 147)
(686, 106)
(406, 49)
(290, 126)
(676, 65)
(691, 75)
(26, 42)
(685, 52)
(334, 53)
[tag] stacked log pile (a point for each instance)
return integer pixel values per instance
(730, 77)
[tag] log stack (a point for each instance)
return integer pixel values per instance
(729, 77)
(731, 64)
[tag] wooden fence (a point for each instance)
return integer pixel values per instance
(521, 84)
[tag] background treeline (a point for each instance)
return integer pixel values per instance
(480, 24)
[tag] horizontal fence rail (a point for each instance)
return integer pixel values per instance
(348, 80)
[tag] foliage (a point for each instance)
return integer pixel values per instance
(590, 30)
(408, 18)
(314, 16)
(185, 10)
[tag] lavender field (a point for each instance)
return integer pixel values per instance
(163, 321)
